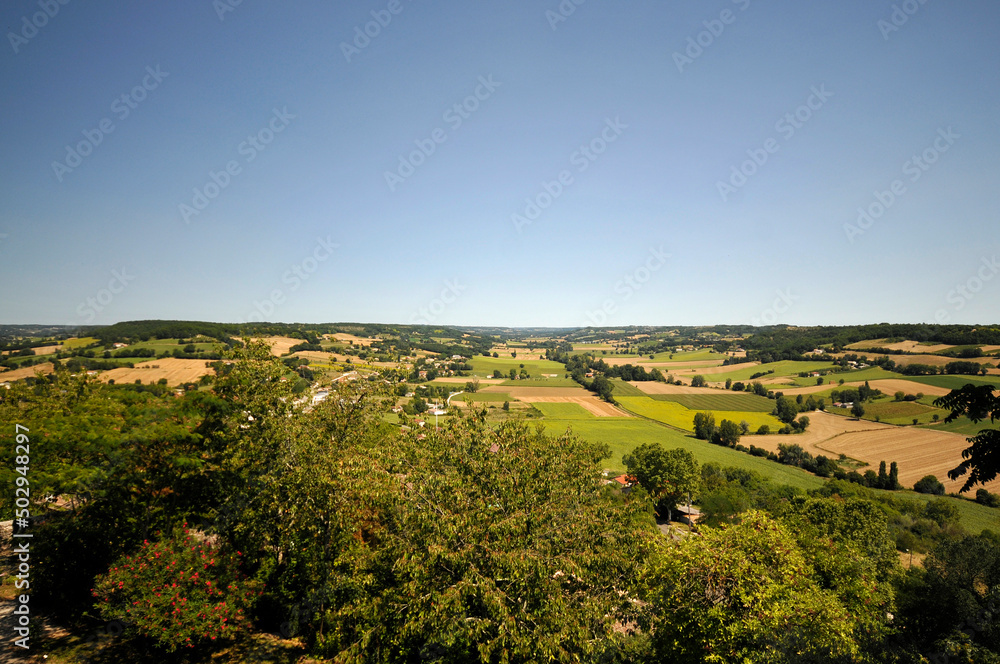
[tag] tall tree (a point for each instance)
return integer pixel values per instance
(669, 476)
(729, 433)
(704, 426)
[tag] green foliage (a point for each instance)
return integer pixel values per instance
(744, 593)
(729, 433)
(952, 606)
(785, 409)
(178, 592)
(667, 475)
(479, 545)
(929, 484)
(984, 497)
(704, 426)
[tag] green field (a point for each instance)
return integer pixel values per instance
(484, 366)
(477, 397)
(676, 415)
(690, 356)
(743, 372)
(169, 345)
(964, 426)
(82, 342)
(536, 381)
(871, 373)
(623, 389)
(955, 382)
(564, 411)
(901, 412)
(713, 400)
(623, 435)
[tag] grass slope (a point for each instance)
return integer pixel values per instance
(783, 368)
(623, 435)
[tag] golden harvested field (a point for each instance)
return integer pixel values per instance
(175, 370)
(938, 360)
(715, 370)
(318, 356)
(343, 336)
(46, 350)
(905, 346)
(918, 452)
(576, 395)
(522, 352)
(323, 357)
(591, 403)
(26, 372)
(893, 385)
(280, 345)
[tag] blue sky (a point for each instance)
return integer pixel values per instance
(500, 163)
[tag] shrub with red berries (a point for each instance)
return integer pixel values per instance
(180, 591)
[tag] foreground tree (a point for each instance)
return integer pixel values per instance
(482, 545)
(982, 458)
(669, 476)
(743, 593)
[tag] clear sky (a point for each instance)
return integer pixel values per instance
(500, 163)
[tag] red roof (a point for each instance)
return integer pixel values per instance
(625, 480)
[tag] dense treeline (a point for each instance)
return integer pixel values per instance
(783, 343)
